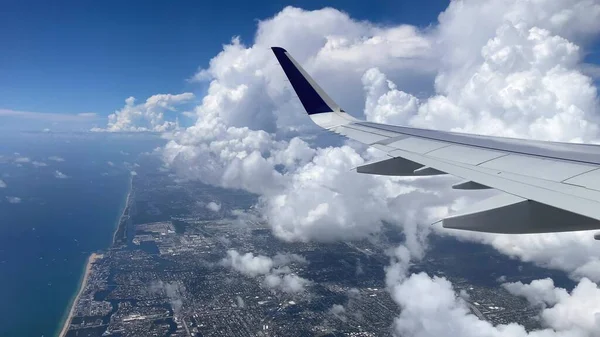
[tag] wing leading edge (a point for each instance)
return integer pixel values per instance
(547, 186)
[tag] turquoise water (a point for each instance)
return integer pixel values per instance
(45, 239)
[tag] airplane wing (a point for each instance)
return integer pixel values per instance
(546, 186)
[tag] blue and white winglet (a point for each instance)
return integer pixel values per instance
(547, 186)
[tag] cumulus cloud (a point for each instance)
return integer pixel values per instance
(519, 73)
(148, 116)
(537, 292)
(213, 206)
(289, 283)
(519, 60)
(275, 271)
(430, 307)
(3, 184)
(60, 175)
(248, 264)
(22, 160)
(13, 200)
(578, 310)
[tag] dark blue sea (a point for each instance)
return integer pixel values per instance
(63, 196)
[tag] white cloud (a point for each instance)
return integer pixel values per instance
(60, 175)
(289, 283)
(430, 307)
(55, 117)
(248, 264)
(213, 206)
(538, 291)
(22, 160)
(517, 74)
(277, 275)
(3, 184)
(13, 200)
(314, 196)
(148, 116)
(38, 163)
(56, 158)
(579, 310)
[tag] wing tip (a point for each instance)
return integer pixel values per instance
(277, 50)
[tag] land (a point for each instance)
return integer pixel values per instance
(164, 274)
(88, 269)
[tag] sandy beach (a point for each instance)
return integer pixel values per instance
(125, 209)
(88, 269)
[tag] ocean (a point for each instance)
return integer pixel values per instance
(63, 196)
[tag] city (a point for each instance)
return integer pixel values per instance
(178, 267)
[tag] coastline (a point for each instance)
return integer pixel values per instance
(91, 259)
(82, 284)
(120, 226)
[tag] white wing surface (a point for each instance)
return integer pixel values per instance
(547, 186)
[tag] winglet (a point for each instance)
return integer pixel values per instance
(313, 98)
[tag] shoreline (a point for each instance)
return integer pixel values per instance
(125, 209)
(88, 269)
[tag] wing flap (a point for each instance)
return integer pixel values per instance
(510, 214)
(397, 166)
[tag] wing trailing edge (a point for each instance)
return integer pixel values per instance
(511, 214)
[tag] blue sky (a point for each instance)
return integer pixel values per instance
(89, 56)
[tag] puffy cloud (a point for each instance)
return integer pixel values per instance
(276, 273)
(213, 206)
(3, 184)
(289, 283)
(508, 85)
(60, 175)
(537, 292)
(517, 74)
(248, 264)
(384, 102)
(13, 200)
(430, 307)
(148, 116)
(579, 310)
(22, 160)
